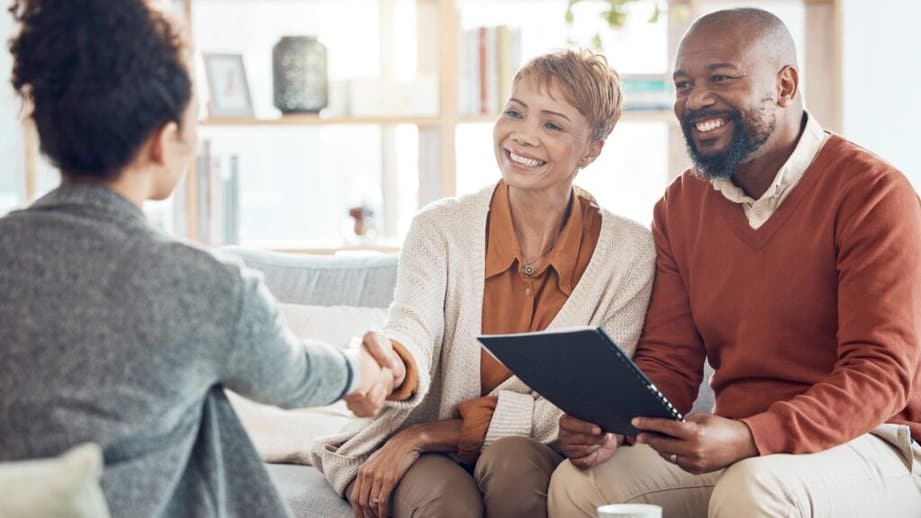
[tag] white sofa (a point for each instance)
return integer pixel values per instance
(353, 281)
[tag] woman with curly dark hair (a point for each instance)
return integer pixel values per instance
(113, 333)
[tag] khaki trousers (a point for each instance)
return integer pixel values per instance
(877, 474)
(509, 480)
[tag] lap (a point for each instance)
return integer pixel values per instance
(863, 477)
(866, 475)
(434, 485)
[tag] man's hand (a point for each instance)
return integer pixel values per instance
(701, 444)
(380, 474)
(584, 444)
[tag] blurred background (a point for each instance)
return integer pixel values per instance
(328, 123)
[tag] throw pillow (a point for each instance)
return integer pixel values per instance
(66, 486)
(288, 435)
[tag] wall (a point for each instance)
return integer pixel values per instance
(881, 72)
(12, 190)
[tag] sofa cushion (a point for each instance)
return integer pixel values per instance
(65, 486)
(328, 280)
(307, 493)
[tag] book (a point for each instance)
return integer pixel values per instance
(584, 373)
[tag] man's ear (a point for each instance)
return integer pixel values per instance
(160, 142)
(787, 85)
(594, 149)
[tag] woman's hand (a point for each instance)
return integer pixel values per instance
(380, 474)
(380, 371)
(375, 383)
(381, 348)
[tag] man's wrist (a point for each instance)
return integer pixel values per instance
(746, 446)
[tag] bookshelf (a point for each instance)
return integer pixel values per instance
(439, 30)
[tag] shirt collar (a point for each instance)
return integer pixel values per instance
(565, 253)
(501, 244)
(809, 145)
(503, 249)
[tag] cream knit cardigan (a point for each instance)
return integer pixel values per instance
(436, 316)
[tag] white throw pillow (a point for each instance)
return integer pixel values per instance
(288, 435)
(63, 487)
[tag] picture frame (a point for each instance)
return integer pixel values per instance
(227, 86)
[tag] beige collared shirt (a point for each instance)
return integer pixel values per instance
(758, 211)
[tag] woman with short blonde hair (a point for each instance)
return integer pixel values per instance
(463, 436)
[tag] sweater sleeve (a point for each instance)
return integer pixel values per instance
(533, 416)
(878, 239)
(416, 319)
(671, 351)
(266, 363)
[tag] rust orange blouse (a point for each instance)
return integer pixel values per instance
(519, 297)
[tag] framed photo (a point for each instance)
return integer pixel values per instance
(228, 86)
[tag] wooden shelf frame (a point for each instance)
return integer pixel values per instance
(437, 170)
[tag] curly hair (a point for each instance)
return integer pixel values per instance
(587, 82)
(101, 76)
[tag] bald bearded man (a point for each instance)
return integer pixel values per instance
(789, 258)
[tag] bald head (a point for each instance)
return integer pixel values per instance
(755, 29)
(737, 92)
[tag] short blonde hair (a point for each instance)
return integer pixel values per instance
(587, 82)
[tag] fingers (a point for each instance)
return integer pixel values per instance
(355, 497)
(381, 348)
(679, 429)
(575, 425)
(376, 500)
(585, 462)
(367, 404)
(366, 495)
(578, 452)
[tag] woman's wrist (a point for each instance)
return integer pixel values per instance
(437, 436)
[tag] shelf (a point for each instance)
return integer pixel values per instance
(627, 116)
(328, 248)
(317, 120)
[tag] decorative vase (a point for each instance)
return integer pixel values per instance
(299, 70)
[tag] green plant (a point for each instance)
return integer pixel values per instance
(613, 13)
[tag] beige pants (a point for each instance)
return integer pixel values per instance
(510, 479)
(877, 474)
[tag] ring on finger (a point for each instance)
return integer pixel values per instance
(673, 458)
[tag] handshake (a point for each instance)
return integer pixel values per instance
(380, 371)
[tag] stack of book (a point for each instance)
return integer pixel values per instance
(215, 185)
(489, 58)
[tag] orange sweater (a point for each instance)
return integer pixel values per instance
(812, 322)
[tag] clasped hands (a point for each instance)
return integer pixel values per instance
(700, 444)
(380, 371)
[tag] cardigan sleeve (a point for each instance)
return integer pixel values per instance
(531, 415)
(416, 319)
(878, 239)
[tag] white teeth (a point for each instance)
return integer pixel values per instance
(529, 162)
(709, 124)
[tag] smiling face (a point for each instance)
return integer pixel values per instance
(725, 98)
(540, 139)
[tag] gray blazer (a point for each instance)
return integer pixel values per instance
(113, 333)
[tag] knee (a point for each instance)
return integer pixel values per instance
(750, 484)
(504, 459)
(450, 501)
(570, 492)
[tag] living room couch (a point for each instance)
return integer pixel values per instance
(344, 281)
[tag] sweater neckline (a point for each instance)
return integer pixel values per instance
(757, 238)
(578, 291)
